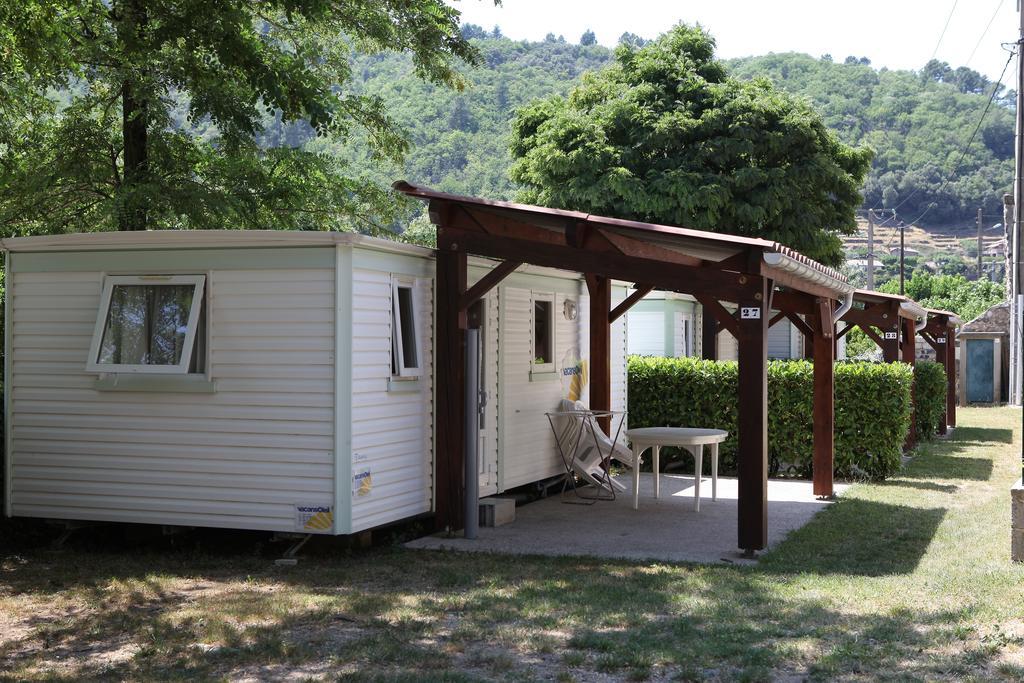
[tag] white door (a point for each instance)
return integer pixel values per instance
(488, 416)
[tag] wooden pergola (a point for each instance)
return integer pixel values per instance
(940, 334)
(756, 275)
(891, 321)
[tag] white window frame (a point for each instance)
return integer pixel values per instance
(686, 327)
(398, 342)
(181, 368)
(550, 365)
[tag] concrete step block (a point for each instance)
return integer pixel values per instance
(497, 511)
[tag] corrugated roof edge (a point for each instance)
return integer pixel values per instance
(722, 238)
(203, 239)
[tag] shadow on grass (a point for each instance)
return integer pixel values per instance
(982, 435)
(921, 485)
(482, 617)
(952, 467)
(858, 537)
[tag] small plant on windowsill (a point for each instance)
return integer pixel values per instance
(539, 360)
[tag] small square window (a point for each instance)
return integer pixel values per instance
(149, 324)
(543, 332)
(405, 340)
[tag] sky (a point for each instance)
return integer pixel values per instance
(898, 34)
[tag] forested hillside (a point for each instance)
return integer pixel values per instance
(460, 139)
(917, 122)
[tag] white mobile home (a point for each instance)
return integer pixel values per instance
(280, 381)
(670, 324)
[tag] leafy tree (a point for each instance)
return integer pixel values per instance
(918, 123)
(665, 135)
(966, 298)
(472, 160)
(161, 105)
(633, 39)
(588, 38)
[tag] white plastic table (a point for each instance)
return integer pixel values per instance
(691, 438)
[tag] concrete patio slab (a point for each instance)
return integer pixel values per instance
(666, 529)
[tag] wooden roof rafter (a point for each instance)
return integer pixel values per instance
(726, 267)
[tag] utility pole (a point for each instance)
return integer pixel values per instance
(1016, 300)
(871, 249)
(902, 231)
(981, 244)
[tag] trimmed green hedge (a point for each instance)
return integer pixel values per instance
(872, 415)
(929, 397)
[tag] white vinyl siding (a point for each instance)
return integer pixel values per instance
(682, 332)
(241, 457)
(528, 452)
(778, 338)
(391, 430)
(646, 333)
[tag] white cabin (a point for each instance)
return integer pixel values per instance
(280, 381)
(670, 325)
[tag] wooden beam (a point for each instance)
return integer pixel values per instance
(669, 276)
(752, 424)
(793, 302)
(449, 438)
(876, 317)
(930, 340)
(713, 307)
(908, 351)
(874, 336)
(951, 375)
(843, 332)
(488, 282)
(799, 324)
(823, 464)
(709, 337)
(737, 262)
(825, 325)
(629, 302)
(776, 318)
(600, 290)
(890, 343)
(640, 249)
(938, 342)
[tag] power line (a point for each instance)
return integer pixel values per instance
(935, 52)
(943, 34)
(967, 147)
(999, 6)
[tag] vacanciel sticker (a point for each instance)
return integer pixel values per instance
(313, 517)
(362, 483)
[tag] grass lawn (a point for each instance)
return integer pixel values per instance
(907, 579)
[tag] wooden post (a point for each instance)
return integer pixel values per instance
(752, 455)
(449, 443)
(600, 289)
(951, 375)
(909, 353)
(891, 335)
(709, 335)
(824, 398)
(942, 357)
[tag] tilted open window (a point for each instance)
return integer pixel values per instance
(543, 324)
(149, 324)
(405, 338)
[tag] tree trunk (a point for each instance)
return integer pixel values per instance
(135, 122)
